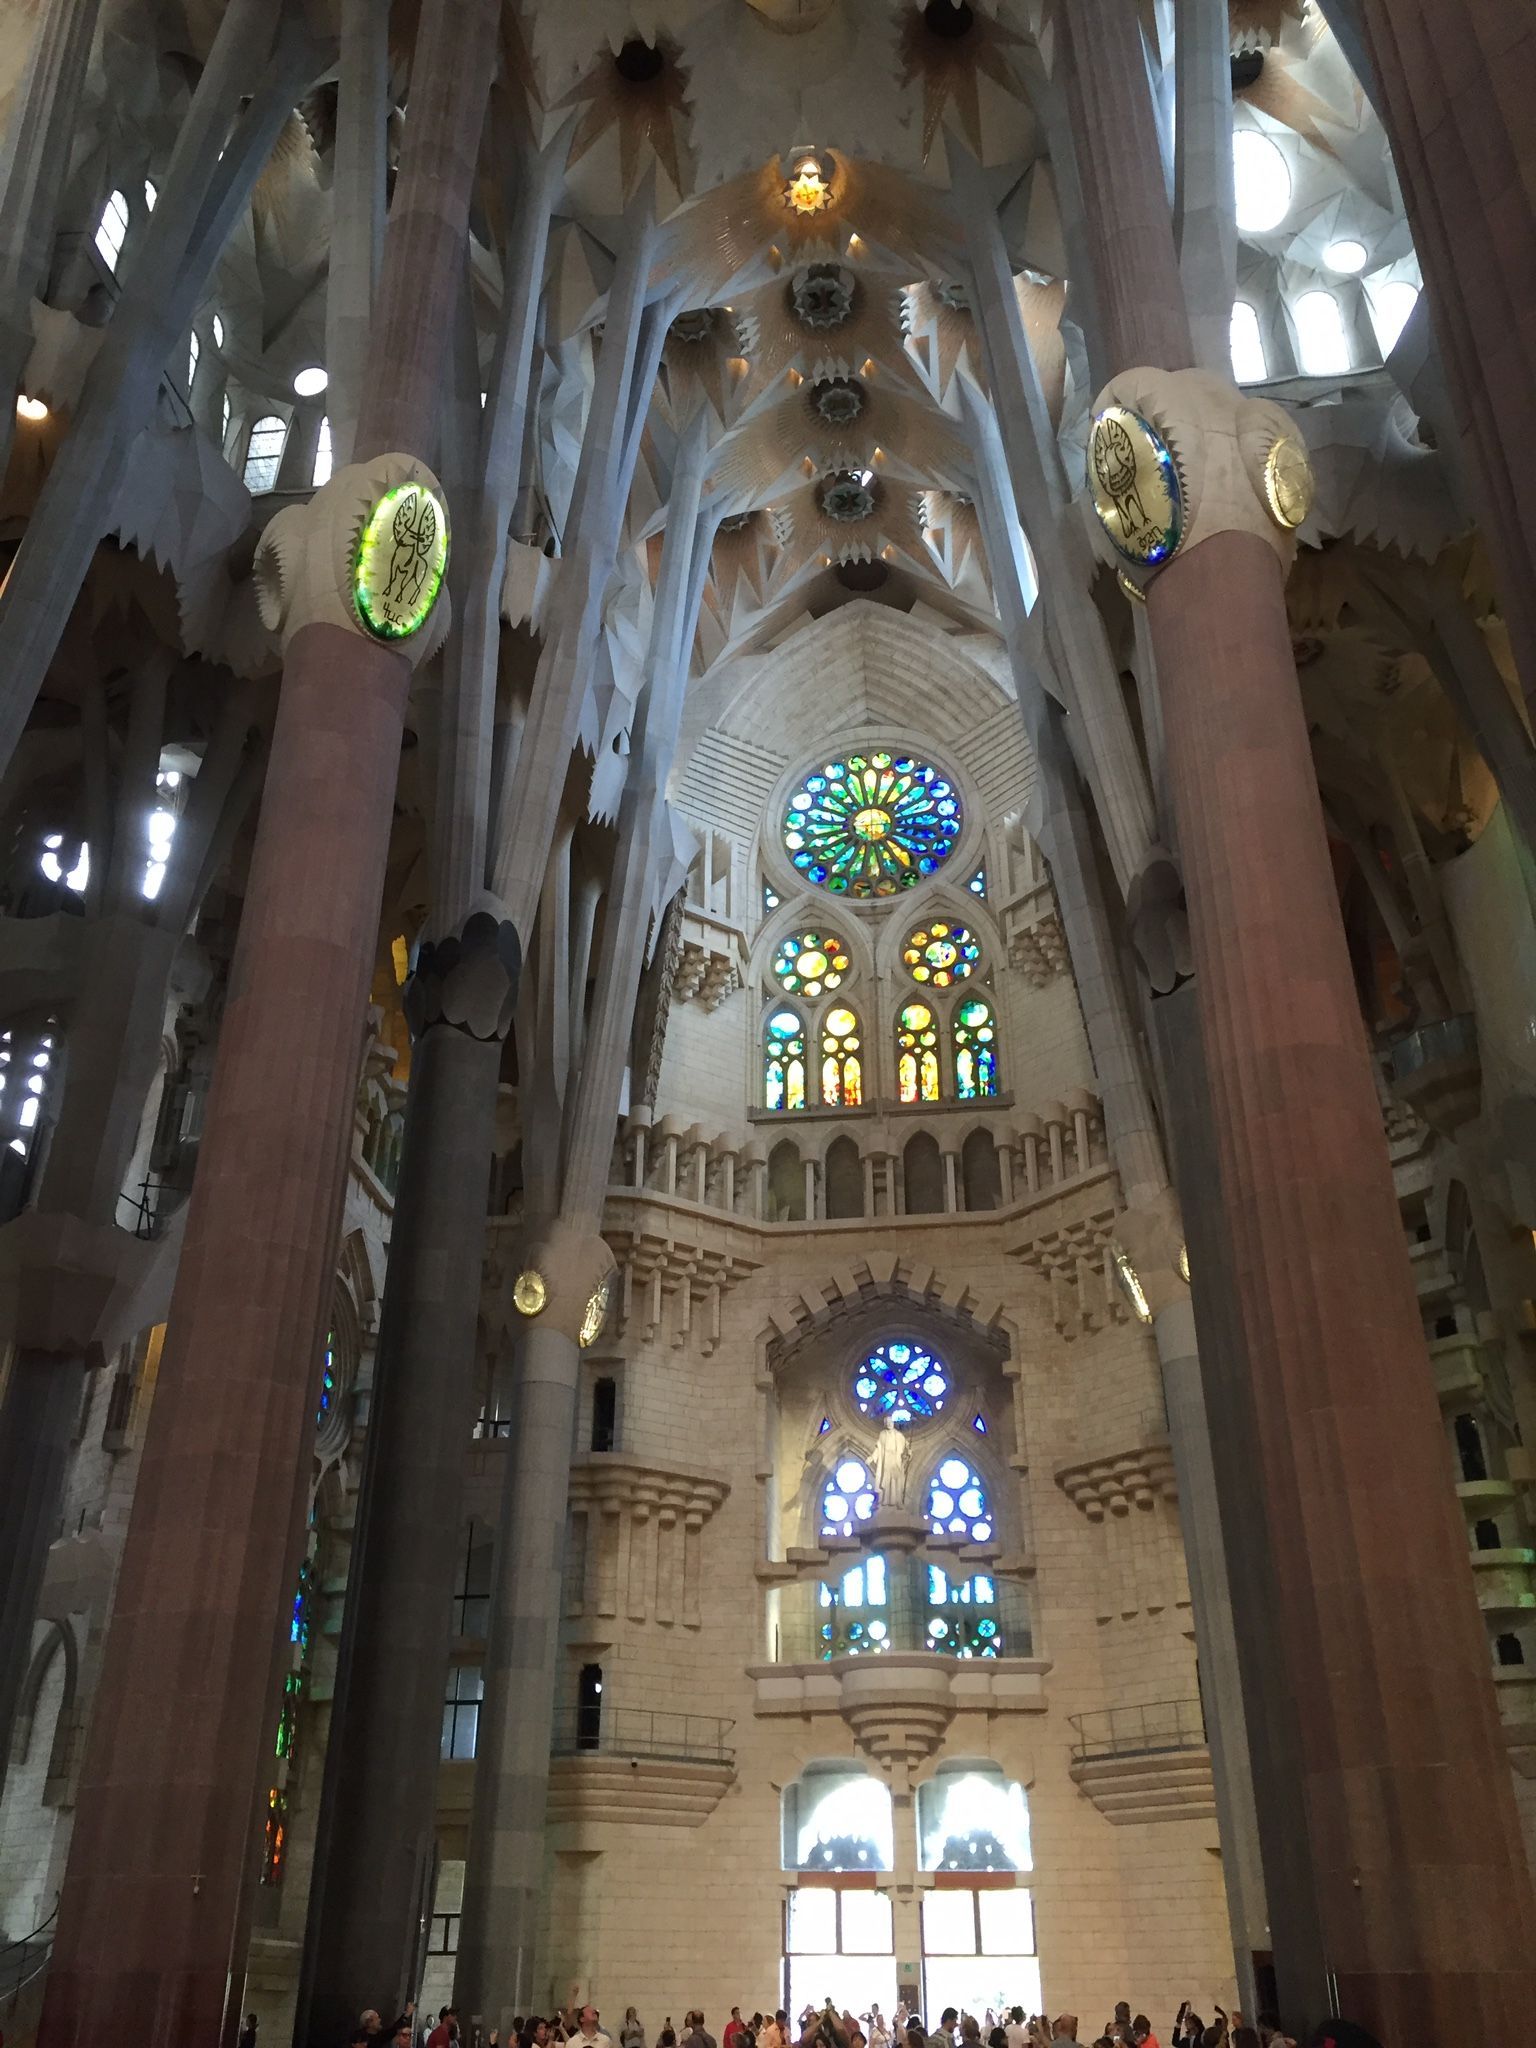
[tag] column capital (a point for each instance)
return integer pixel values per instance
(557, 1275)
(1149, 1245)
(467, 979)
(1176, 456)
(367, 553)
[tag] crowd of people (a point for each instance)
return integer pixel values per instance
(824, 2027)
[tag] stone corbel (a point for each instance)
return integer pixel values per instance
(467, 979)
(306, 560)
(1240, 462)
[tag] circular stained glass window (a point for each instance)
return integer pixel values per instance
(903, 1380)
(810, 964)
(957, 1502)
(941, 954)
(871, 824)
(849, 1497)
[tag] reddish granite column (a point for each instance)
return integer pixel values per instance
(1423, 1888)
(1456, 82)
(151, 1940)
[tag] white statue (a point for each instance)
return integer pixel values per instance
(893, 1454)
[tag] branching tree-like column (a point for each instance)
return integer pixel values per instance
(153, 1918)
(1422, 1890)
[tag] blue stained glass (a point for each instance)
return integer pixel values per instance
(978, 882)
(872, 824)
(978, 1425)
(901, 1379)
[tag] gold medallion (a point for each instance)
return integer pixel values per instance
(1288, 486)
(1135, 487)
(529, 1292)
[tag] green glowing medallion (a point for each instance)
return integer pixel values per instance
(400, 562)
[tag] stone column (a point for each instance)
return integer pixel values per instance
(556, 1270)
(373, 1850)
(33, 163)
(156, 1898)
(1453, 81)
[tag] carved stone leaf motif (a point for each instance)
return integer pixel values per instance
(468, 980)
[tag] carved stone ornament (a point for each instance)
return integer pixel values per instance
(554, 1274)
(367, 553)
(1160, 921)
(1233, 464)
(468, 979)
(1150, 1238)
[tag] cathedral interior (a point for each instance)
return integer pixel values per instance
(767, 1012)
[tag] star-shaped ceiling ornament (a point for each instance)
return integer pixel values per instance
(634, 98)
(1256, 24)
(820, 320)
(1278, 92)
(950, 48)
(703, 354)
(839, 423)
(848, 516)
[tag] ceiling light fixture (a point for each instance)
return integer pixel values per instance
(808, 182)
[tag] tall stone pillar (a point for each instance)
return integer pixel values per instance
(378, 1816)
(556, 1276)
(1454, 80)
(155, 1905)
(1407, 1789)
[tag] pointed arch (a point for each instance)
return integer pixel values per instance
(917, 1053)
(842, 1058)
(786, 1183)
(974, 1033)
(922, 1174)
(979, 1173)
(844, 1181)
(784, 1063)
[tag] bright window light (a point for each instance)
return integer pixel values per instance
(30, 408)
(53, 867)
(1347, 257)
(1262, 180)
(113, 228)
(1391, 305)
(1321, 340)
(224, 419)
(1249, 363)
(321, 473)
(193, 351)
(218, 331)
(310, 382)
(150, 196)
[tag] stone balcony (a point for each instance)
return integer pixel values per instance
(1145, 1763)
(1437, 1072)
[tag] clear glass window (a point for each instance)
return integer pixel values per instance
(264, 453)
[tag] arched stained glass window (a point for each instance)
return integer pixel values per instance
(871, 824)
(957, 1502)
(112, 229)
(848, 1627)
(328, 1382)
(940, 953)
(810, 964)
(263, 453)
(975, 1050)
(784, 1062)
(903, 1379)
(848, 1498)
(1250, 365)
(917, 1054)
(842, 1069)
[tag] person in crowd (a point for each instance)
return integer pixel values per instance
(997, 2037)
(447, 2029)
(1141, 2028)
(1064, 2027)
(534, 2033)
(775, 2033)
(696, 2037)
(1014, 2029)
(631, 2033)
(1120, 2025)
(1343, 2034)
(945, 2035)
(916, 2035)
(589, 2034)
(879, 2032)
(248, 2031)
(733, 2026)
(667, 2038)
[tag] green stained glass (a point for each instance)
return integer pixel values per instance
(810, 964)
(401, 559)
(872, 824)
(940, 953)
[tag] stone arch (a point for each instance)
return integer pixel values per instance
(811, 908)
(786, 1183)
(844, 1182)
(922, 1174)
(58, 1640)
(980, 1175)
